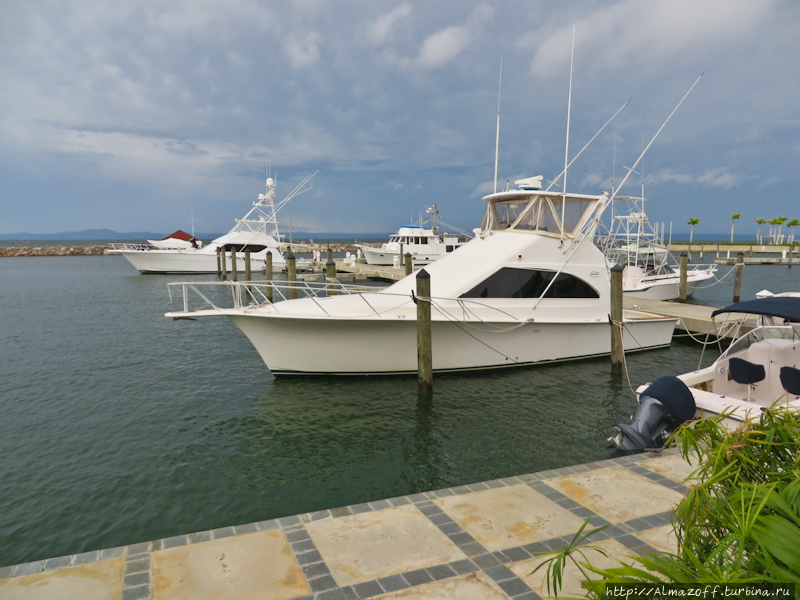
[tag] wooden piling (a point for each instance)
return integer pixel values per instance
(234, 273)
(247, 272)
(737, 283)
(617, 349)
(268, 269)
(291, 273)
(409, 263)
(424, 349)
(684, 277)
(224, 266)
(330, 255)
(330, 276)
(791, 249)
(219, 266)
(401, 255)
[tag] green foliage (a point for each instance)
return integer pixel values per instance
(739, 522)
(693, 221)
(736, 216)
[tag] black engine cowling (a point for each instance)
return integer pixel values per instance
(665, 404)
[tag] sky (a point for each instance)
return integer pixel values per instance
(148, 115)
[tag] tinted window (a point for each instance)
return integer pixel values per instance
(530, 283)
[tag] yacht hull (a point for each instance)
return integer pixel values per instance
(185, 261)
(379, 256)
(669, 290)
(296, 346)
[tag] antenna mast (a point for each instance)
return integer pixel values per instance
(566, 150)
(497, 140)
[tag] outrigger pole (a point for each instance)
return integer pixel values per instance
(566, 149)
(497, 140)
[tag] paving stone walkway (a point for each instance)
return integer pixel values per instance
(475, 541)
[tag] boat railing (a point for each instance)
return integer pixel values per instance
(130, 246)
(221, 295)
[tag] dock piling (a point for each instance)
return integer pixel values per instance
(291, 273)
(617, 349)
(268, 269)
(234, 274)
(330, 276)
(219, 266)
(409, 263)
(791, 249)
(737, 283)
(401, 254)
(224, 266)
(330, 254)
(247, 271)
(684, 277)
(424, 348)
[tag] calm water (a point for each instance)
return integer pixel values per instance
(118, 425)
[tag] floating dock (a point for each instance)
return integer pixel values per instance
(477, 541)
(693, 318)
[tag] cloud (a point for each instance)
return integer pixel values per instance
(302, 50)
(643, 32)
(715, 178)
(443, 46)
(382, 30)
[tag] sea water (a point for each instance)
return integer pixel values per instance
(118, 425)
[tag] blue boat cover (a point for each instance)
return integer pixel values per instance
(786, 307)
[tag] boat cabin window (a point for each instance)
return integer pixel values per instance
(538, 213)
(509, 282)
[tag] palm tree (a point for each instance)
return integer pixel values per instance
(692, 222)
(760, 223)
(773, 232)
(734, 216)
(781, 221)
(791, 225)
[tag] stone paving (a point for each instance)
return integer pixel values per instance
(477, 541)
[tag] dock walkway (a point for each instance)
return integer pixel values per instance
(470, 542)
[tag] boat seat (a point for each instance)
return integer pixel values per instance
(746, 373)
(790, 380)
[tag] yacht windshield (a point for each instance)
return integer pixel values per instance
(759, 334)
(537, 213)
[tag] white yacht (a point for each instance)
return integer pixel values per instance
(530, 288)
(758, 370)
(650, 271)
(424, 245)
(256, 233)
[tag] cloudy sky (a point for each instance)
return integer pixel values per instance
(134, 115)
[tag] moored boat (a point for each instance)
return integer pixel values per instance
(759, 370)
(425, 245)
(257, 232)
(530, 288)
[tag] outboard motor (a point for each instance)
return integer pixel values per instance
(666, 403)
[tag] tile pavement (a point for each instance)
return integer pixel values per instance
(470, 541)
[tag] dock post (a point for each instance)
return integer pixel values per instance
(791, 249)
(224, 266)
(409, 263)
(330, 276)
(234, 274)
(291, 274)
(717, 256)
(684, 277)
(617, 349)
(219, 266)
(401, 255)
(424, 349)
(247, 271)
(737, 283)
(751, 250)
(268, 269)
(330, 254)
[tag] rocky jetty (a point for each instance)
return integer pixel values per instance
(53, 251)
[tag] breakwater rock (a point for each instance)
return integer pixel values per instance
(53, 251)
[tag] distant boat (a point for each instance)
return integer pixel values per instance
(424, 245)
(527, 290)
(650, 272)
(256, 233)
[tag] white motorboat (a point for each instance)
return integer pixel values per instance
(530, 288)
(256, 233)
(759, 370)
(424, 245)
(650, 271)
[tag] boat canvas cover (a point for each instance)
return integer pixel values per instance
(180, 235)
(786, 307)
